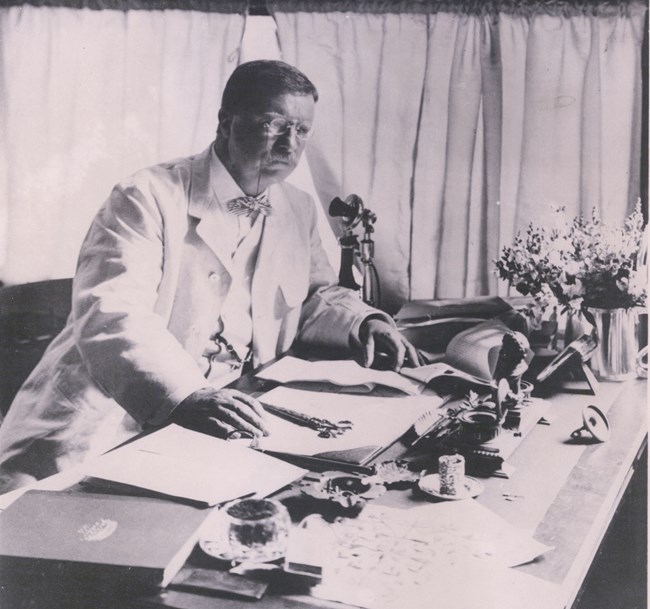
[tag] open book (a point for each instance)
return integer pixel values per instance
(469, 360)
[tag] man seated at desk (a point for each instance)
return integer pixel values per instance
(190, 271)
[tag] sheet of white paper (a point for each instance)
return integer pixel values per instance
(436, 370)
(183, 463)
(346, 373)
(393, 557)
(377, 421)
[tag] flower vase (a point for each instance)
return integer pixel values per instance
(615, 357)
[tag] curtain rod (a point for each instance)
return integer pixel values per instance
(267, 7)
(205, 6)
(474, 7)
(258, 8)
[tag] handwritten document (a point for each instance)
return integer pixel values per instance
(407, 558)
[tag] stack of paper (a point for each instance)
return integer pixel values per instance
(376, 422)
(346, 373)
(177, 462)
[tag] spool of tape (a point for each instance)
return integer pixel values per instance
(594, 423)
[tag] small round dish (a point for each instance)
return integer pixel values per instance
(394, 474)
(479, 425)
(348, 490)
(431, 485)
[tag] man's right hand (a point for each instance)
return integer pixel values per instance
(219, 412)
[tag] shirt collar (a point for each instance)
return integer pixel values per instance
(223, 185)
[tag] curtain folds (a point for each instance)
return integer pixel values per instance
(458, 128)
(87, 98)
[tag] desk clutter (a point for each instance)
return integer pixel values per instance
(306, 509)
(483, 434)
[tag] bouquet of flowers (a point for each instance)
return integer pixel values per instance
(578, 264)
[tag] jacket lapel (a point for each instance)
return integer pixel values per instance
(274, 259)
(204, 206)
(282, 266)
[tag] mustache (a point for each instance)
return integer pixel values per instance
(288, 157)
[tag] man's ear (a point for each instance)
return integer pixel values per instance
(225, 123)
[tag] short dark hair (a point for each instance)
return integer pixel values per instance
(256, 81)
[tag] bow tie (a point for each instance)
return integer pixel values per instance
(250, 205)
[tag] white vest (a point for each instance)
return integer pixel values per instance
(219, 364)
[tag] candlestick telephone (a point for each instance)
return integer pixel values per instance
(352, 213)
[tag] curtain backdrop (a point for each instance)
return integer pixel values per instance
(88, 97)
(458, 123)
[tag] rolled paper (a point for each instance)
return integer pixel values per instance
(451, 469)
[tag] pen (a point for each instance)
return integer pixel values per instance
(290, 415)
(325, 428)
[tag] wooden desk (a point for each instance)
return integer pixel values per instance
(573, 520)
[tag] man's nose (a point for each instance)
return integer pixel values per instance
(289, 138)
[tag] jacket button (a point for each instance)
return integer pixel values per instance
(213, 276)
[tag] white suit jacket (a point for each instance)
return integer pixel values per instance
(152, 275)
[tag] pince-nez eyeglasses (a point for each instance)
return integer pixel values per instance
(276, 127)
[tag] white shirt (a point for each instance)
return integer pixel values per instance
(236, 323)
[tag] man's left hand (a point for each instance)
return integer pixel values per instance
(379, 337)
